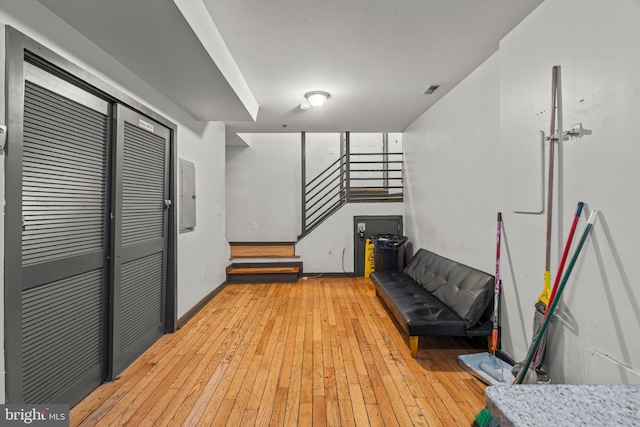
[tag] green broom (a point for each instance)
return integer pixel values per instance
(484, 418)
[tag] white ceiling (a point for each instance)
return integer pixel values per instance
(375, 57)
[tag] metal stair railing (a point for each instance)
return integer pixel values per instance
(354, 177)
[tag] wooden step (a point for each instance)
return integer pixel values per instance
(356, 190)
(373, 198)
(267, 250)
(263, 270)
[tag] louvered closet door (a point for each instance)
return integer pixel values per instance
(142, 154)
(64, 240)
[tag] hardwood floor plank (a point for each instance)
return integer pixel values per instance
(292, 410)
(321, 351)
(358, 406)
(107, 406)
(306, 392)
(220, 417)
(275, 357)
(241, 412)
(375, 417)
(428, 412)
(200, 404)
(240, 345)
(306, 415)
(319, 411)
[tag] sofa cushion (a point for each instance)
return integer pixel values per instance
(464, 290)
(417, 311)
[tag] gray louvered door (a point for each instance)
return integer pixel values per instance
(64, 239)
(140, 238)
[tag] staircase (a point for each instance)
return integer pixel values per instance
(354, 177)
(263, 263)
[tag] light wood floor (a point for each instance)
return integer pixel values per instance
(317, 352)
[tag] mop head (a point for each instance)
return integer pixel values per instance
(484, 419)
(541, 377)
(487, 368)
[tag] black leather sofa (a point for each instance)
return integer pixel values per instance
(435, 296)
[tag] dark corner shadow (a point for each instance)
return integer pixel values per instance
(563, 314)
(197, 126)
(606, 282)
(233, 151)
(512, 273)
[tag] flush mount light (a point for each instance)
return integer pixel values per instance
(317, 97)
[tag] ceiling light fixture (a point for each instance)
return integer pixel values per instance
(317, 97)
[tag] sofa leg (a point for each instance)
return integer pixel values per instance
(413, 345)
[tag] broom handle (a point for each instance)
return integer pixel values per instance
(567, 246)
(496, 288)
(552, 131)
(554, 303)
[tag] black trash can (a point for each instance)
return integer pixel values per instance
(388, 252)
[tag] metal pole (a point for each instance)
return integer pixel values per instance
(385, 159)
(303, 168)
(348, 168)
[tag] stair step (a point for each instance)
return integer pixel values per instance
(373, 198)
(273, 271)
(367, 190)
(239, 250)
(264, 270)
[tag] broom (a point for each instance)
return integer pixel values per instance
(554, 290)
(496, 289)
(544, 295)
(567, 246)
(554, 303)
(537, 360)
(484, 418)
(543, 299)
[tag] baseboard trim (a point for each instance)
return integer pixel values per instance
(184, 319)
(325, 275)
(262, 243)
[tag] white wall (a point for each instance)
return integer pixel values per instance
(2, 194)
(263, 189)
(322, 149)
(337, 232)
(597, 46)
(458, 177)
(451, 169)
(202, 255)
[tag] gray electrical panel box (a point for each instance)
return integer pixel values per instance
(187, 196)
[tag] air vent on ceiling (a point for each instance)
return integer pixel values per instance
(430, 89)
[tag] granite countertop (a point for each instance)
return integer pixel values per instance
(565, 405)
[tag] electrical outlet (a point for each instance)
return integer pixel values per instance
(254, 225)
(329, 249)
